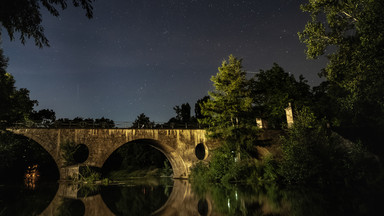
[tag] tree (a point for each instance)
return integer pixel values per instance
(24, 17)
(231, 98)
(15, 106)
(104, 123)
(351, 33)
(142, 121)
(273, 90)
(198, 104)
(44, 117)
(229, 109)
(183, 113)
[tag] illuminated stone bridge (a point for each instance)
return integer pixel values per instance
(182, 147)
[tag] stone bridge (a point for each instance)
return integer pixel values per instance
(180, 146)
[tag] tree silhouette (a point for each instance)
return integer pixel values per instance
(15, 105)
(24, 17)
(142, 121)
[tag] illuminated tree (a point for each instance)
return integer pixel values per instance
(351, 34)
(273, 90)
(228, 112)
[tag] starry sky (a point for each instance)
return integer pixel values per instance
(147, 56)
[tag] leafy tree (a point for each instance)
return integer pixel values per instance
(230, 101)
(104, 123)
(44, 116)
(15, 105)
(24, 17)
(142, 121)
(198, 104)
(273, 89)
(183, 113)
(229, 109)
(351, 33)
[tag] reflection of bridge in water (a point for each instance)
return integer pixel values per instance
(181, 201)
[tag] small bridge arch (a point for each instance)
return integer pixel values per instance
(178, 145)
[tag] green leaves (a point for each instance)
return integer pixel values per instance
(273, 89)
(230, 101)
(351, 34)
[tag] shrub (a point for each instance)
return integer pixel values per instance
(68, 150)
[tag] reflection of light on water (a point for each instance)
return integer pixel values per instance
(31, 177)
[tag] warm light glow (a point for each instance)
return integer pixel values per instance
(31, 177)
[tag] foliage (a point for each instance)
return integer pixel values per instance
(223, 168)
(239, 199)
(351, 33)
(80, 122)
(142, 121)
(68, 150)
(314, 155)
(89, 175)
(228, 111)
(230, 101)
(137, 158)
(214, 171)
(43, 117)
(198, 104)
(15, 105)
(167, 169)
(273, 90)
(24, 17)
(183, 113)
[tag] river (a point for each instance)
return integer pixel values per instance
(177, 197)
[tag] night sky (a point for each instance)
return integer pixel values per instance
(147, 56)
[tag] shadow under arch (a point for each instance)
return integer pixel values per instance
(175, 160)
(39, 185)
(38, 154)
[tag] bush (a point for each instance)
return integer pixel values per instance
(68, 150)
(313, 154)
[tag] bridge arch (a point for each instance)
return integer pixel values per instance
(177, 163)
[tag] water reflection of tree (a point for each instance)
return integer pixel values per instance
(272, 200)
(244, 200)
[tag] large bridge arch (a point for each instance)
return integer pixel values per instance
(177, 144)
(177, 163)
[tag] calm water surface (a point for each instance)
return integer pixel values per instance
(168, 197)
